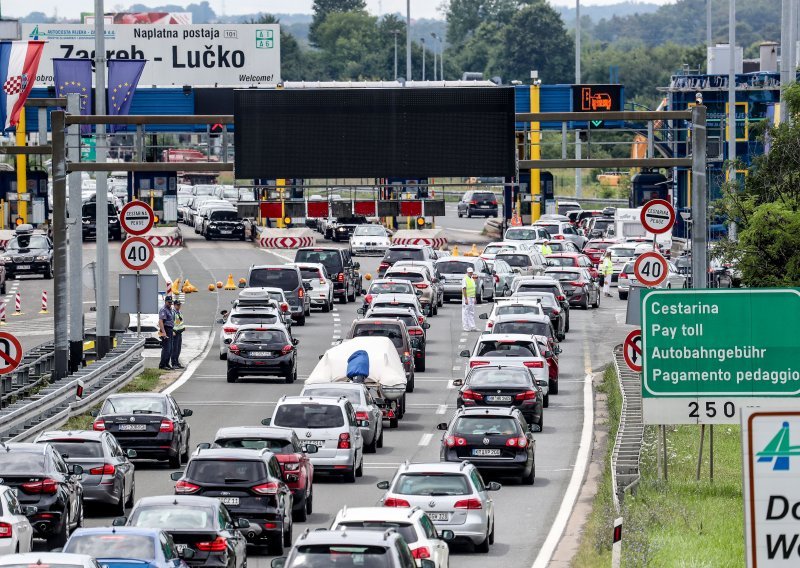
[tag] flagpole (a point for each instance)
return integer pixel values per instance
(22, 170)
(103, 340)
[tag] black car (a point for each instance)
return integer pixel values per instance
(48, 488)
(547, 284)
(478, 203)
(200, 523)
(551, 308)
(152, 424)
(340, 266)
(28, 253)
(250, 484)
(263, 351)
(342, 229)
(223, 224)
(495, 440)
(89, 221)
(503, 386)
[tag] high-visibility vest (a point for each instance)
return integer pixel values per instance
(179, 325)
(469, 284)
(607, 267)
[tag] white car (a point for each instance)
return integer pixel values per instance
(492, 249)
(510, 306)
(627, 280)
(510, 349)
(414, 525)
(49, 559)
(369, 239)
(526, 234)
(16, 532)
(621, 254)
(321, 293)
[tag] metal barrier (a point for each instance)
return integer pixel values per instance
(56, 402)
(34, 369)
(626, 457)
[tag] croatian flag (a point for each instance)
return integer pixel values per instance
(19, 61)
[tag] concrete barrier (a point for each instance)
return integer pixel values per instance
(285, 238)
(165, 237)
(432, 237)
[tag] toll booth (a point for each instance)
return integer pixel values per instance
(159, 190)
(646, 186)
(35, 197)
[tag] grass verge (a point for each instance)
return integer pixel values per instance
(678, 523)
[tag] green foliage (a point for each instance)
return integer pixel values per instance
(324, 8)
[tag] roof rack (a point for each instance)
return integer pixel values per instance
(413, 510)
(464, 464)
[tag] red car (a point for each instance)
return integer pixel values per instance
(572, 260)
(549, 347)
(291, 453)
(596, 248)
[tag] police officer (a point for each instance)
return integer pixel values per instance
(468, 301)
(166, 322)
(177, 334)
(606, 271)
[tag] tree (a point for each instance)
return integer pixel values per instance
(351, 48)
(464, 17)
(323, 8)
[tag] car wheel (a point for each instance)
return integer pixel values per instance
(3, 288)
(585, 305)
(360, 469)
(566, 325)
(469, 214)
(540, 423)
(358, 290)
(393, 423)
(372, 447)
(380, 439)
(185, 453)
(175, 461)
(343, 299)
(301, 321)
(310, 501)
(483, 547)
(132, 496)
(597, 301)
(491, 535)
(479, 296)
(233, 375)
(531, 477)
(223, 355)
(275, 547)
(119, 508)
(48, 273)
(291, 377)
(553, 387)
(79, 524)
(546, 401)
(59, 539)
(352, 297)
(350, 474)
(623, 295)
(326, 307)
(287, 536)
(410, 384)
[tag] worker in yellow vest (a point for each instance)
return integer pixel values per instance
(468, 287)
(177, 334)
(606, 271)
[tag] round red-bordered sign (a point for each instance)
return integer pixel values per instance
(10, 352)
(136, 218)
(650, 268)
(137, 253)
(657, 216)
(632, 351)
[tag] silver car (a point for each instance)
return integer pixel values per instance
(367, 412)
(321, 292)
(243, 315)
(453, 270)
(503, 277)
(452, 494)
(627, 280)
(108, 474)
(562, 230)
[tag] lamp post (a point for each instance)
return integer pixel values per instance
(433, 49)
(441, 54)
(578, 172)
(422, 39)
(408, 40)
(395, 34)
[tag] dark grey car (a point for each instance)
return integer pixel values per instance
(290, 280)
(108, 474)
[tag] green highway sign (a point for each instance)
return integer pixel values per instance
(707, 353)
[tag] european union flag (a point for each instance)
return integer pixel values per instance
(123, 76)
(75, 76)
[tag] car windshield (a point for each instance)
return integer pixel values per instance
(557, 246)
(407, 276)
(225, 470)
(380, 330)
(494, 249)
(173, 517)
(561, 261)
(330, 259)
(353, 396)
(391, 288)
(284, 278)
(393, 255)
(521, 235)
(483, 197)
(230, 193)
(90, 210)
(261, 337)
(454, 267)
(515, 260)
(441, 484)
(21, 462)
(223, 215)
(240, 319)
(597, 246)
(516, 309)
(490, 377)
(340, 555)
(369, 231)
(532, 287)
(76, 448)
(134, 405)
(112, 545)
(408, 319)
(485, 426)
(204, 189)
(28, 242)
(623, 252)
(393, 304)
(564, 276)
(506, 349)
(274, 445)
(522, 326)
(406, 530)
(309, 416)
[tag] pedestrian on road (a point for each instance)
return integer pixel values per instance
(468, 301)
(177, 334)
(166, 322)
(546, 249)
(606, 270)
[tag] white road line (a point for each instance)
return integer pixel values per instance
(456, 368)
(279, 255)
(425, 440)
(161, 260)
(441, 409)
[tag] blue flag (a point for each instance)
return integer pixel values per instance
(75, 76)
(123, 76)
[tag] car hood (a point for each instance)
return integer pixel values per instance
(26, 251)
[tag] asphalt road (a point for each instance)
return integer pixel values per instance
(524, 515)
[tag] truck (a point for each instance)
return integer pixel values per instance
(628, 226)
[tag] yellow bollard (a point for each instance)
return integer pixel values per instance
(229, 285)
(455, 251)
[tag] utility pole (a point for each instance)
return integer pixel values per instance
(60, 246)
(699, 198)
(395, 32)
(786, 76)
(422, 39)
(103, 341)
(435, 37)
(408, 40)
(709, 36)
(75, 231)
(578, 172)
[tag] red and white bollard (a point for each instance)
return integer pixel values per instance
(17, 305)
(2, 313)
(44, 303)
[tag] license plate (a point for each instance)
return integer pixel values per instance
(495, 398)
(136, 427)
(570, 292)
(261, 353)
(229, 500)
(487, 452)
(225, 232)
(484, 207)
(438, 516)
(318, 443)
(23, 267)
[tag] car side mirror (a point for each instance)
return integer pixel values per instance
(426, 325)
(307, 287)
(442, 426)
(360, 311)
(94, 413)
(558, 350)
(418, 292)
(278, 562)
(464, 353)
(426, 563)
(483, 316)
(493, 486)
(383, 485)
(176, 475)
(119, 522)
(223, 313)
(75, 469)
(131, 454)
(295, 341)
(266, 421)
(186, 412)
(549, 354)
(242, 524)
(310, 448)
(203, 446)
(458, 382)
(357, 265)
(363, 423)
(187, 553)
(29, 510)
(535, 428)
(220, 321)
(447, 536)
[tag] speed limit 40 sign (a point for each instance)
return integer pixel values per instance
(650, 268)
(137, 253)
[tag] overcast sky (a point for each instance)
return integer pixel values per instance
(73, 8)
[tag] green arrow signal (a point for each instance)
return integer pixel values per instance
(597, 123)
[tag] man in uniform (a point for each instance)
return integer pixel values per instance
(468, 301)
(166, 322)
(177, 334)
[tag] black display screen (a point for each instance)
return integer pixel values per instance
(402, 132)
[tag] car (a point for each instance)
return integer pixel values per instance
(262, 350)
(627, 280)
(503, 275)
(203, 205)
(581, 288)
(558, 246)
(108, 474)
(526, 234)
(562, 230)
(89, 222)
(414, 526)
(490, 251)
(510, 306)
(267, 297)
(27, 253)
(244, 315)
(290, 280)
(596, 248)
(525, 263)
(407, 301)
(48, 490)
(203, 189)
(222, 223)
(572, 260)
(433, 274)
(405, 252)
(453, 495)
(596, 227)
(49, 559)
(342, 228)
(185, 202)
(420, 278)
(362, 548)
(201, 524)
(549, 306)
(544, 284)
(367, 410)
(250, 484)
(416, 330)
(482, 203)
(331, 425)
(453, 270)
(386, 286)
(396, 331)
(150, 423)
(621, 254)
(227, 192)
(369, 239)
(340, 266)
(16, 532)
(564, 205)
(504, 387)
(548, 346)
(495, 440)
(507, 349)
(321, 293)
(125, 547)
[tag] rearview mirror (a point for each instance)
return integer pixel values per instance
(94, 413)
(75, 469)
(558, 350)
(279, 562)
(426, 325)
(223, 313)
(295, 341)
(548, 354)
(176, 475)
(266, 421)
(383, 485)
(119, 522)
(363, 423)
(426, 563)
(493, 486)
(186, 412)
(483, 316)
(310, 448)
(447, 536)
(29, 510)
(357, 265)
(242, 284)
(464, 353)
(458, 382)
(418, 292)
(442, 426)
(535, 428)
(203, 446)
(187, 553)
(360, 311)
(220, 320)
(131, 454)
(242, 524)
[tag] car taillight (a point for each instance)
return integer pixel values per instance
(287, 349)
(291, 466)
(534, 364)
(473, 364)
(521, 442)
(623, 275)
(185, 488)
(233, 349)
(395, 502)
(269, 488)
(421, 319)
(45, 486)
(383, 266)
(560, 298)
(555, 311)
(340, 278)
(219, 544)
(167, 426)
(473, 202)
(99, 424)
(490, 325)
(322, 281)
(577, 284)
(527, 395)
(452, 441)
(7, 532)
(368, 298)
(471, 395)
(496, 278)
(229, 329)
(471, 504)
(284, 307)
(344, 441)
(105, 469)
(421, 553)
(421, 285)
(301, 293)
(559, 237)
(415, 331)
(362, 415)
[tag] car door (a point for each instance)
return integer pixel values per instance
(234, 535)
(284, 493)
(305, 463)
(375, 413)
(178, 418)
(355, 431)
(441, 552)
(22, 527)
(485, 497)
(70, 484)
(120, 460)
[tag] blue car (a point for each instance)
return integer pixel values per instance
(127, 547)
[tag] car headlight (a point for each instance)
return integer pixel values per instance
(86, 221)
(291, 466)
(112, 220)
(212, 225)
(43, 258)
(240, 225)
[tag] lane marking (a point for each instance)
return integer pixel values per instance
(279, 255)
(456, 368)
(425, 440)
(441, 409)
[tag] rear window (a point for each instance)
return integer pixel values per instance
(486, 426)
(112, 546)
(173, 516)
(598, 246)
(538, 288)
(488, 377)
(516, 260)
(516, 309)
(90, 210)
(564, 276)
(240, 319)
(276, 446)
(380, 330)
(406, 530)
(623, 252)
(390, 288)
(78, 448)
(134, 405)
(309, 416)
(330, 259)
(526, 327)
(227, 470)
(552, 229)
(21, 462)
(407, 276)
(521, 235)
(283, 278)
(351, 556)
(393, 304)
(506, 349)
(557, 246)
(393, 255)
(454, 267)
(407, 319)
(266, 337)
(561, 261)
(484, 197)
(433, 484)
(547, 300)
(601, 224)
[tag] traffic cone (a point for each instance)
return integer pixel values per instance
(17, 305)
(2, 313)
(455, 251)
(44, 303)
(474, 250)
(176, 286)
(230, 285)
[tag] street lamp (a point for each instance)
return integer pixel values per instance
(433, 49)
(422, 39)
(395, 33)
(441, 55)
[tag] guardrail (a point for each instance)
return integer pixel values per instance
(56, 402)
(626, 457)
(34, 369)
